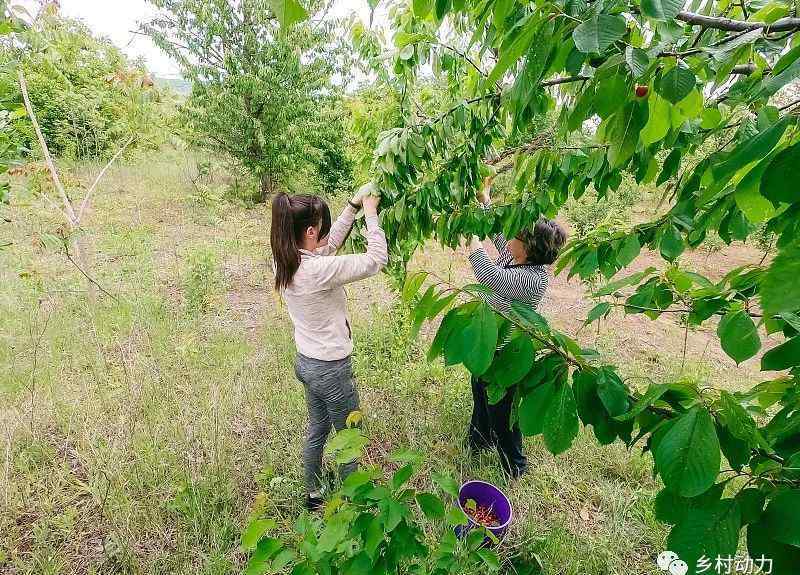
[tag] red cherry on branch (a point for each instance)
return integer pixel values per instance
(641, 91)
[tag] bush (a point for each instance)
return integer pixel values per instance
(88, 97)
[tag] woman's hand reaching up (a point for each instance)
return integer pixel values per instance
(370, 204)
(483, 195)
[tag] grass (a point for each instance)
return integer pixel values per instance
(138, 434)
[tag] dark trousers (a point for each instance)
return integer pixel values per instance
(491, 427)
(330, 396)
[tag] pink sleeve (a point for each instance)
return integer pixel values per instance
(335, 271)
(339, 230)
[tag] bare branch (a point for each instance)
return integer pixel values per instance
(89, 278)
(68, 210)
(88, 195)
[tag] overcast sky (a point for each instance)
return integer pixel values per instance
(116, 18)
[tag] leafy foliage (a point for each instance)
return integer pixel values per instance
(88, 97)
(686, 101)
(374, 526)
(261, 94)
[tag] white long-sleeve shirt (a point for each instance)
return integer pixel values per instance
(316, 299)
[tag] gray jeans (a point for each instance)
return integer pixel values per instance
(330, 396)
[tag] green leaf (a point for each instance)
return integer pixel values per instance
(611, 94)
(672, 244)
(711, 530)
(776, 81)
(281, 560)
(736, 451)
(513, 47)
(288, 12)
(477, 340)
(512, 362)
(599, 32)
(780, 290)
(534, 408)
(638, 61)
(782, 357)
(710, 118)
(781, 518)
(632, 279)
(779, 183)
(671, 508)
(658, 124)
(453, 321)
(401, 476)
(501, 10)
(529, 317)
(412, 284)
(489, 558)
(447, 483)
(598, 311)
(422, 8)
(622, 133)
(355, 480)
(442, 8)
(421, 310)
(688, 108)
(750, 150)
(266, 549)
(629, 250)
(661, 9)
(754, 206)
(456, 516)
(255, 530)
(653, 394)
(738, 335)
(676, 84)
(374, 536)
(791, 467)
(688, 456)
(561, 420)
(612, 392)
(431, 505)
(751, 504)
(761, 542)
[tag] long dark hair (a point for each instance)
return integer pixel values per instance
(291, 217)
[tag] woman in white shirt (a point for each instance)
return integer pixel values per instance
(311, 278)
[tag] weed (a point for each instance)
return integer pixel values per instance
(202, 281)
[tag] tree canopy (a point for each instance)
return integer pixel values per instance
(260, 94)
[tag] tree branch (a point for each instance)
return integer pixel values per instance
(100, 175)
(89, 278)
(69, 212)
(718, 23)
(458, 52)
(563, 80)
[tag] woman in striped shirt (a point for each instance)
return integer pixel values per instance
(519, 274)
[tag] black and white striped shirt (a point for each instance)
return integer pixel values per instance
(509, 282)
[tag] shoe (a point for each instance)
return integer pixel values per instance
(517, 472)
(314, 503)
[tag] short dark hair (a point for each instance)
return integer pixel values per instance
(543, 241)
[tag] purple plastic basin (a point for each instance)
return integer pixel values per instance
(486, 495)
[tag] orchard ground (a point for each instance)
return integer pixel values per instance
(138, 434)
